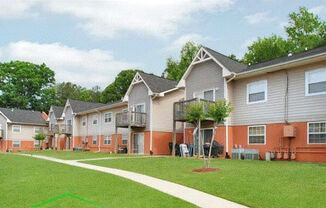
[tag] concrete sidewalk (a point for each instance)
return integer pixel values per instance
(191, 195)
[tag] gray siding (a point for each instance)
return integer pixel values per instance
(203, 76)
(138, 95)
(52, 119)
(3, 124)
(301, 107)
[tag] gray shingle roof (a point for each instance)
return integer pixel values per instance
(23, 116)
(57, 110)
(79, 106)
(229, 63)
(283, 59)
(157, 84)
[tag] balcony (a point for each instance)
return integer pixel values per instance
(131, 118)
(62, 129)
(180, 107)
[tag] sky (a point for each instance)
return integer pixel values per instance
(90, 42)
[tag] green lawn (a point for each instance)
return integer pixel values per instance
(75, 155)
(252, 183)
(25, 182)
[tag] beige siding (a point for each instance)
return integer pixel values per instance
(3, 125)
(301, 107)
(204, 76)
(26, 132)
(163, 111)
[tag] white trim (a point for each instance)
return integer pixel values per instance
(110, 112)
(205, 90)
(110, 139)
(257, 135)
(308, 134)
(96, 115)
(95, 136)
(8, 120)
(265, 92)
(307, 73)
(226, 97)
(137, 79)
(133, 138)
(150, 126)
(12, 129)
(37, 127)
(84, 117)
(144, 104)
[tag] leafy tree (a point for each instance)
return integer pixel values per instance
(117, 89)
(175, 69)
(306, 30)
(40, 138)
(218, 112)
(265, 49)
(26, 85)
(234, 57)
(194, 113)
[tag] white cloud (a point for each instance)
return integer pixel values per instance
(179, 43)
(85, 67)
(318, 10)
(10, 9)
(248, 42)
(109, 19)
(259, 17)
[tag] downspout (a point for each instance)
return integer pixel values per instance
(100, 131)
(286, 99)
(151, 124)
(73, 132)
(6, 136)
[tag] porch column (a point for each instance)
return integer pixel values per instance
(174, 139)
(116, 140)
(129, 140)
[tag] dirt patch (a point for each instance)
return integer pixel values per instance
(205, 170)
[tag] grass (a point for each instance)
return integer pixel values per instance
(75, 155)
(252, 183)
(25, 182)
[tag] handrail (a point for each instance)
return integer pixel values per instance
(131, 118)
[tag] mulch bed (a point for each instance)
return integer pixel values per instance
(205, 170)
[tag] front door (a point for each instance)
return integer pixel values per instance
(68, 143)
(138, 143)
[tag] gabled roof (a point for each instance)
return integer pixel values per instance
(57, 111)
(78, 106)
(105, 107)
(230, 64)
(23, 116)
(157, 84)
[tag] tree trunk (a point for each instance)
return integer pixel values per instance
(199, 126)
(211, 145)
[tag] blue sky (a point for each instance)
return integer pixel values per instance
(89, 42)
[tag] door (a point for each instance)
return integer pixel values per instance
(68, 143)
(206, 136)
(138, 143)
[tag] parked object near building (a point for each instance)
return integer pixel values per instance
(18, 128)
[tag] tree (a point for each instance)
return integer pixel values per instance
(40, 138)
(265, 49)
(175, 69)
(306, 30)
(218, 112)
(234, 57)
(26, 85)
(117, 89)
(194, 113)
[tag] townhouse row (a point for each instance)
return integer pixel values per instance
(278, 106)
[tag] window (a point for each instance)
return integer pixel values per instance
(107, 140)
(257, 92)
(317, 133)
(139, 108)
(94, 140)
(206, 95)
(68, 122)
(256, 135)
(36, 143)
(38, 130)
(125, 139)
(16, 128)
(84, 121)
(316, 82)
(95, 120)
(15, 143)
(108, 117)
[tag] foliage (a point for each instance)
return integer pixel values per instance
(175, 69)
(117, 89)
(40, 137)
(305, 31)
(234, 57)
(68, 90)
(194, 112)
(26, 85)
(219, 111)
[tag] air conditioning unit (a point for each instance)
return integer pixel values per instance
(289, 131)
(251, 154)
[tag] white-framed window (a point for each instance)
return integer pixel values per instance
(108, 117)
(316, 132)
(257, 134)
(125, 139)
(38, 130)
(84, 120)
(16, 128)
(15, 143)
(107, 140)
(257, 92)
(208, 94)
(315, 82)
(95, 118)
(94, 140)
(36, 143)
(139, 108)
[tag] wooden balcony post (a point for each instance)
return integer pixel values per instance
(174, 138)
(199, 143)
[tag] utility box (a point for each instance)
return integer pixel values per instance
(289, 131)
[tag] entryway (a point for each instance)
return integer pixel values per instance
(206, 136)
(138, 143)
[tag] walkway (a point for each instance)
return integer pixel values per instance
(191, 195)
